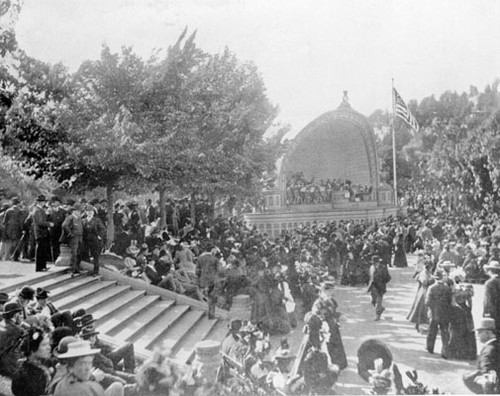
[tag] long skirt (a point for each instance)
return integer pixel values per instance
(462, 344)
(418, 311)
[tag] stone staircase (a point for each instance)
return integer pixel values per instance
(131, 310)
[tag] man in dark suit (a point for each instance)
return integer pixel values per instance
(208, 271)
(13, 228)
(41, 227)
(56, 214)
(491, 306)
(438, 301)
(484, 379)
(94, 234)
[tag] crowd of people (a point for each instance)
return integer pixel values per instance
(289, 279)
(299, 190)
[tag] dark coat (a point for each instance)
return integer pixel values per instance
(207, 269)
(40, 223)
(31, 380)
(438, 300)
(13, 223)
(492, 299)
(94, 233)
(10, 339)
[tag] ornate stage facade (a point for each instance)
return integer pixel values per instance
(329, 173)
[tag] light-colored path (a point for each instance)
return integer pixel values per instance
(406, 344)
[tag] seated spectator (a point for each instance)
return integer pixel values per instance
(79, 361)
(11, 334)
(24, 299)
(33, 377)
(45, 308)
(108, 374)
(122, 357)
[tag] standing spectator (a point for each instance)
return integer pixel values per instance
(13, 228)
(41, 227)
(73, 232)
(94, 233)
(438, 301)
(484, 378)
(56, 215)
(379, 277)
(399, 251)
(491, 307)
(207, 270)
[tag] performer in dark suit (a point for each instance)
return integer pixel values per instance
(485, 379)
(41, 227)
(438, 301)
(491, 307)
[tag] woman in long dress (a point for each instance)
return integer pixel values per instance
(462, 344)
(418, 311)
(399, 251)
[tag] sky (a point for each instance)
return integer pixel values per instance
(307, 51)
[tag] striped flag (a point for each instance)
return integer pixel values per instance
(403, 112)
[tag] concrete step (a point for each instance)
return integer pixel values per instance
(32, 280)
(110, 309)
(98, 299)
(77, 283)
(169, 333)
(74, 297)
(127, 315)
(184, 350)
(218, 332)
(54, 282)
(153, 322)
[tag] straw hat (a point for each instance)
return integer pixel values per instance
(495, 265)
(78, 349)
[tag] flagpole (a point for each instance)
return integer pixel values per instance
(395, 178)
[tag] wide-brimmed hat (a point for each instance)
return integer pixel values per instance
(11, 307)
(41, 198)
(14, 200)
(493, 264)
(41, 293)
(486, 324)
(78, 349)
(376, 259)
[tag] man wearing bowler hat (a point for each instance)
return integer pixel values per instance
(438, 301)
(379, 277)
(484, 379)
(41, 226)
(491, 304)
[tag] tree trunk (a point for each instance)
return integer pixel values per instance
(110, 234)
(193, 209)
(212, 204)
(163, 209)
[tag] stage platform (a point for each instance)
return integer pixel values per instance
(276, 220)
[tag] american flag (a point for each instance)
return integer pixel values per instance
(403, 112)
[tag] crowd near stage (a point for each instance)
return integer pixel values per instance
(327, 287)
